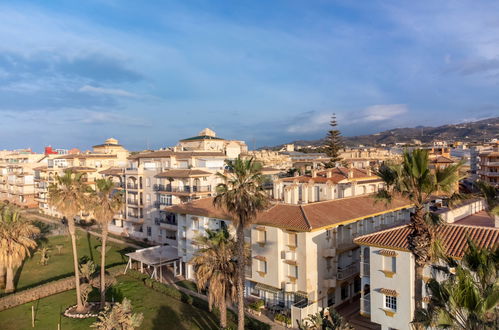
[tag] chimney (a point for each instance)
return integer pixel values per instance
(329, 174)
(314, 173)
(350, 173)
(368, 171)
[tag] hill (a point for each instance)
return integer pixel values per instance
(477, 131)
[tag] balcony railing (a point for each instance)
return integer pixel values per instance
(132, 186)
(365, 304)
(365, 268)
(184, 189)
(133, 201)
(162, 203)
(132, 215)
(347, 271)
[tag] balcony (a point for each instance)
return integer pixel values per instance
(162, 203)
(290, 255)
(364, 269)
(132, 186)
(132, 216)
(329, 253)
(289, 286)
(183, 190)
(365, 305)
(133, 202)
(490, 163)
(485, 173)
(330, 282)
(346, 272)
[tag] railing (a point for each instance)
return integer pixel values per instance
(132, 186)
(365, 304)
(365, 269)
(184, 189)
(158, 221)
(348, 271)
(131, 215)
(133, 201)
(159, 204)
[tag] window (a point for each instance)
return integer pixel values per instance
(331, 298)
(390, 264)
(149, 231)
(261, 266)
(148, 182)
(345, 288)
(293, 271)
(391, 302)
(261, 236)
(292, 239)
(148, 199)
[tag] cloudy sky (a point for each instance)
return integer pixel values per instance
(73, 73)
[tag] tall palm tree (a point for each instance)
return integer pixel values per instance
(491, 195)
(414, 180)
(17, 237)
(215, 269)
(468, 298)
(241, 195)
(106, 203)
(69, 195)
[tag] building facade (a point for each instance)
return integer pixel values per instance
(489, 166)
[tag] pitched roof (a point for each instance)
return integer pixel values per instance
(178, 154)
(337, 174)
(183, 173)
(453, 238)
(306, 217)
(441, 159)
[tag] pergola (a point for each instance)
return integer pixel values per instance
(156, 257)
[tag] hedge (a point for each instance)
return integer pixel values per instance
(45, 290)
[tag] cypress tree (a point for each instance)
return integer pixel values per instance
(334, 143)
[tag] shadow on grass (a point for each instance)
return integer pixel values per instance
(166, 315)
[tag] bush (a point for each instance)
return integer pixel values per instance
(137, 275)
(282, 318)
(257, 305)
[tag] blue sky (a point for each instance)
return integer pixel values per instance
(148, 73)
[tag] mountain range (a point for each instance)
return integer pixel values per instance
(476, 131)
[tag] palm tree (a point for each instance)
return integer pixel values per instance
(326, 319)
(106, 203)
(468, 298)
(241, 195)
(119, 317)
(414, 180)
(491, 195)
(16, 240)
(69, 196)
(215, 269)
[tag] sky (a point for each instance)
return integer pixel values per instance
(148, 73)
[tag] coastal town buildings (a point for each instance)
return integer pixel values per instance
(17, 184)
(489, 165)
(156, 179)
(302, 256)
(104, 156)
(387, 265)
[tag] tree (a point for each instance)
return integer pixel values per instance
(17, 237)
(215, 269)
(106, 203)
(69, 196)
(334, 143)
(119, 317)
(326, 319)
(414, 180)
(241, 195)
(491, 195)
(468, 297)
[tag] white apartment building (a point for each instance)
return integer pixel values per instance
(387, 266)
(106, 156)
(330, 184)
(303, 256)
(154, 180)
(17, 176)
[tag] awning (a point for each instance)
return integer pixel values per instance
(268, 288)
(156, 255)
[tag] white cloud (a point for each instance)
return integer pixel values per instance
(310, 122)
(383, 112)
(107, 91)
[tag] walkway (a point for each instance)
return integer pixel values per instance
(351, 312)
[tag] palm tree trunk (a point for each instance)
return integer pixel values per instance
(9, 287)
(2, 276)
(223, 313)
(103, 267)
(71, 227)
(419, 241)
(241, 261)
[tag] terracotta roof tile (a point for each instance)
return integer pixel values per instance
(304, 217)
(454, 238)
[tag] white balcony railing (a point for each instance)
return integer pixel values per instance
(365, 304)
(347, 271)
(364, 269)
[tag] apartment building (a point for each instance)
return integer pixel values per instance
(17, 184)
(302, 256)
(154, 180)
(104, 156)
(334, 183)
(387, 269)
(489, 166)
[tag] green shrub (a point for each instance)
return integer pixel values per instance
(282, 318)
(137, 275)
(257, 305)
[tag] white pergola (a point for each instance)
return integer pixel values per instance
(156, 257)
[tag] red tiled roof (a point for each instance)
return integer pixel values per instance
(453, 238)
(337, 174)
(305, 217)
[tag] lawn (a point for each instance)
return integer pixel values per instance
(160, 311)
(31, 273)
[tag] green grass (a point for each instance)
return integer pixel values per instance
(188, 285)
(31, 273)
(160, 311)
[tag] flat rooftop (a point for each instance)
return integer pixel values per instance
(481, 218)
